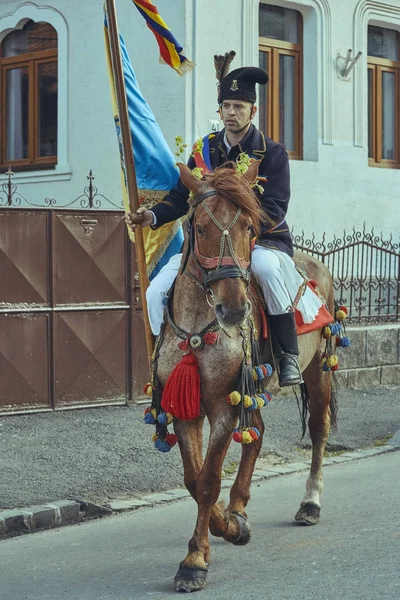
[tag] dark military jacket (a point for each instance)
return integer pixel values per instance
(274, 199)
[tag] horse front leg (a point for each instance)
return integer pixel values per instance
(319, 386)
(238, 530)
(193, 569)
(190, 439)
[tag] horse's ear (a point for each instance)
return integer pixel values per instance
(252, 172)
(192, 182)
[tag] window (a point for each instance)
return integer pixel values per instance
(383, 97)
(28, 93)
(280, 52)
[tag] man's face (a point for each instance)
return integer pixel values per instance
(236, 114)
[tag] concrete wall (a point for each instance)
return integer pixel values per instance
(373, 359)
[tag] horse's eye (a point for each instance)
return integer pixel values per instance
(250, 229)
(199, 230)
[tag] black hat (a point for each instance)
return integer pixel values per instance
(240, 84)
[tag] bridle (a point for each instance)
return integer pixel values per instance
(219, 267)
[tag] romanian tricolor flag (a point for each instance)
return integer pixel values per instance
(156, 172)
(170, 49)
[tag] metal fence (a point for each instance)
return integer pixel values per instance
(365, 266)
(366, 273)
(10, 196)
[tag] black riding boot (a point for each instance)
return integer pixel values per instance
(284, 340)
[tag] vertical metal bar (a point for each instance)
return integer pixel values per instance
(9, 186)
(127, 144)
(90, 177)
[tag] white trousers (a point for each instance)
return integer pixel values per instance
(274, 271)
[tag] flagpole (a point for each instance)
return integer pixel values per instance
(127, 144)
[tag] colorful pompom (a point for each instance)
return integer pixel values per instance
(343, 342)
(237, 436)
(326, 333)
(253, 434)
(234, 398)
(260, 402)
(162, 445)
(210, 338)
(148, 389)
(162, 418)
(340, 315)
(171, 439)
(246, 437)
(332, 361)
(247, 402)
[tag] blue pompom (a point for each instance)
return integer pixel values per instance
(149, 419)
(254, 405)
(269, 369)
(162, 418)
(256, 430)
(260, 374)
(162, 445)
(344, 342)
(325, 367)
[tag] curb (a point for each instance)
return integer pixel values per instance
(18, 521)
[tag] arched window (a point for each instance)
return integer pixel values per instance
(280, 53)
(29, 92)
(383, 97)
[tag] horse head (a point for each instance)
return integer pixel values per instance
(224, 217)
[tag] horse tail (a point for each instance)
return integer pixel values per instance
(303, 404)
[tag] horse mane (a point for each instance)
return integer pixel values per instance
(232, 186)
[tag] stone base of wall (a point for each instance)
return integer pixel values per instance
(373, 359)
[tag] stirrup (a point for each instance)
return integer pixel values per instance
(289, 371)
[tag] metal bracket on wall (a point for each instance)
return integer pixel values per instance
(345, 64)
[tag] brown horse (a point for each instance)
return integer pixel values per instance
(224, 205)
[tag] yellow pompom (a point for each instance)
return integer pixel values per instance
(246, 437)
(327, 333)
(154, 413)
(255, 376)
(260, 402)
(332, 361)
(148, 389)
(323, 361)
(340, 315)
(170, 418)
(234, 398)
(247, 401)
(154, 437)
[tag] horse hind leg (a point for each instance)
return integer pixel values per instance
(319, 387)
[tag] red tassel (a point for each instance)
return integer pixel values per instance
(181, 395)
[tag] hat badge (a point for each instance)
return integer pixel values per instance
(234, 86)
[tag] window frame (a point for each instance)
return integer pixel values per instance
(31, 61)
(378, 66)
(274, 49)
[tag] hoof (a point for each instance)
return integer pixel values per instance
(308, 514)
(190, 579)
(244, 530)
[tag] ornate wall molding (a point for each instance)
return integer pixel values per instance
(365, 11)
(325, 63)
(16, 20)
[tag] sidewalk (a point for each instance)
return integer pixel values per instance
(90, 462)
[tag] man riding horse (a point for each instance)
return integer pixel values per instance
(271, 261)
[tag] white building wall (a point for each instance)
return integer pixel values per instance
(86, 118)
(332, 188)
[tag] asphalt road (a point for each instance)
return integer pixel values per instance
(353, 554)
(103, 454)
